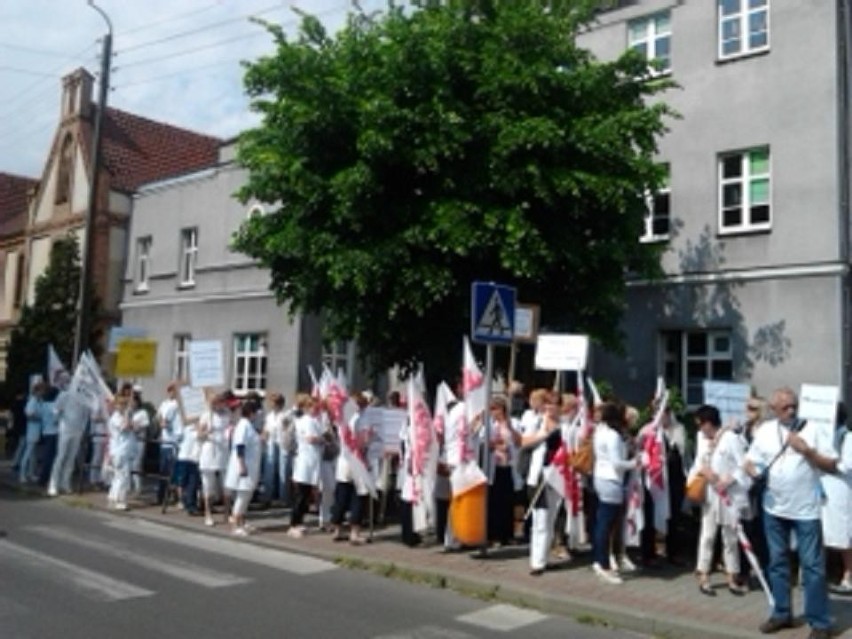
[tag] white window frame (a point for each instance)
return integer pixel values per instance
(745, 180)
(339, 355)
(188, 255)
(243, 379)
(651, 215)
(741, 19)
(143, 262)
(650, 39)
(180, 363)
(692, 388)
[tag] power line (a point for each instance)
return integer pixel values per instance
(167, 76)
(178, 54)
(208, 27)
(38, 74)
(170, 19)
(17, 47)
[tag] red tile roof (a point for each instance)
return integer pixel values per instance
(13, 203)
(137, 150)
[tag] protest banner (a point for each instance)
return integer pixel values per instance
(205, 363)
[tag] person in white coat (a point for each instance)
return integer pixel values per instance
(243, 466)
(545, 438)
(121, 452)
(719, 459)
(140, 421)
(306, 469)
(213, 455)
(100, 439)
(837, 507)
(72, 414)
(33, 411)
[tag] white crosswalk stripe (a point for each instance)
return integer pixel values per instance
(193, 573)
(428, 632)
(267, 557)
(89, 583)
(502, 617)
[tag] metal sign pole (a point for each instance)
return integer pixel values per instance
(486, 458)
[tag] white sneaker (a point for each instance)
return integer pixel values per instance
(295, 532)
(208, 521)
(121, 506)
(241, 532)
(609, 576)
(626, 565)
(52, 492)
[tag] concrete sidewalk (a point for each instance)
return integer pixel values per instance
(662, 603)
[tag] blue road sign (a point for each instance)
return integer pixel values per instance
(492, 315)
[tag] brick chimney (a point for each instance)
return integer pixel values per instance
(77, 88)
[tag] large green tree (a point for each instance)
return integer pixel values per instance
(51, 319)
(416, 151)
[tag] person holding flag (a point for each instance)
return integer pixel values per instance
(544, 500)
(501, 475)
(72, 413)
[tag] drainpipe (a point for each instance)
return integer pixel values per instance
(844, 150)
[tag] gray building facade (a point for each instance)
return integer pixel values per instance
(755, 216)
(184, 283)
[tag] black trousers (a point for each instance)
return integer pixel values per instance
(303, 501)
(347, 499)
(501, 506)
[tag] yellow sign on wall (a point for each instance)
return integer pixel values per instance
(136, 358)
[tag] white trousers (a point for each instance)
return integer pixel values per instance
(120, 481)
(541, 531)
(27, 463)
(136, 466)
(241, 502)
(707, 539)
(67, 448)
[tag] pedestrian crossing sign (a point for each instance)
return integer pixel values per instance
(492, 313)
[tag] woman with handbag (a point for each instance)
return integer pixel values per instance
(719, 468)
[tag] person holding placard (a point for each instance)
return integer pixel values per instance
(792, 453)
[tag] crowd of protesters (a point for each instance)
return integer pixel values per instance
(772, 481)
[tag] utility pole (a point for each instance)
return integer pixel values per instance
(84, 301)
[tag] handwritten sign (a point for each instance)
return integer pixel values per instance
(561, 352)
(192, 402)
(729, 398)
(205, 363)
(819, 404)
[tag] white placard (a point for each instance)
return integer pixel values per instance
(729, 398)
(205, 363)
(561, 352)
(192, 402)
(819, 404)
(388, 423)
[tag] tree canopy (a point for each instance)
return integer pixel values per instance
(51, 319)
(413, 152)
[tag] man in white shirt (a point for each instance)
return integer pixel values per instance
(795, 453)
(72, 413)
(168, 418)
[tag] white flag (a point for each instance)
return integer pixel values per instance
(473, 385)
(54, 365)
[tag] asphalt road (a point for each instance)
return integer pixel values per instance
(71, 573)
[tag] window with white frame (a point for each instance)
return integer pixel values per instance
(658, 217)
(744, 191)
(143, 262)
(250, 361)
(743, 27)
(339, 355)
(180, 368)
(652, 37)
(188, 255)
(690, 357)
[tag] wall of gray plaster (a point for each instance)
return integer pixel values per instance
(784, 332)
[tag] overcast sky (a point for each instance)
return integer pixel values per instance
(175, 61)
